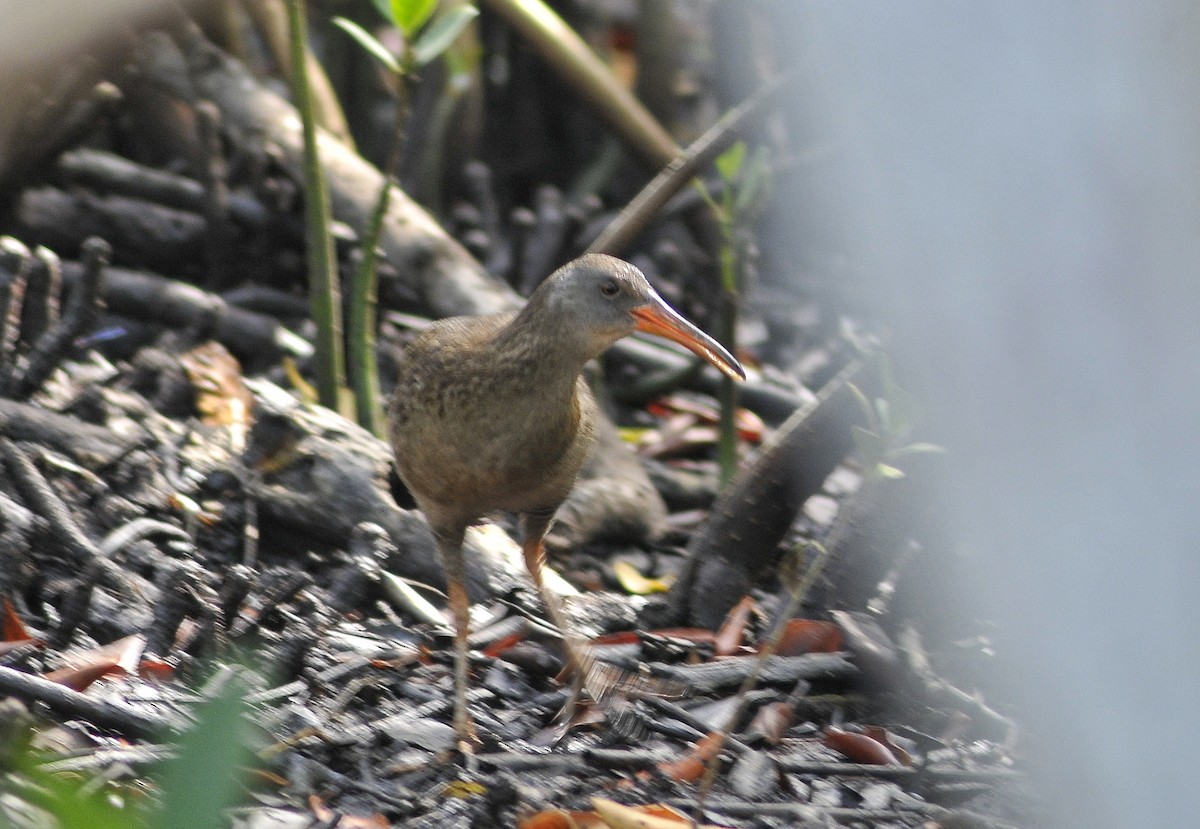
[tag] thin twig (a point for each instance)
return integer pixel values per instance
(566, 52)
(675, 176)
(797, 598)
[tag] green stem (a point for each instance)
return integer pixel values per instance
(324, 293)
(364, 367)
(799, 592)
(576, 63)
(727, 395)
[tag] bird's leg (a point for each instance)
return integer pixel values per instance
(450, 545)
(535, 526)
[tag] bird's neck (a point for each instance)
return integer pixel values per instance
(547, 343)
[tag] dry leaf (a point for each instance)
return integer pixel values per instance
(221, 397)
(463, 789)
(773, 720)
(859, 747)
(13, 629)
(562, 819)
(883, 736)
(733, 629)
(691, 766)
(79, 677)
(642, 817)
(801, 636)
(635, 583)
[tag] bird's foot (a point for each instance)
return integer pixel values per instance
(466, 737)
(463, 751)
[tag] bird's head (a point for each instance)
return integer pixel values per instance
(598, 299)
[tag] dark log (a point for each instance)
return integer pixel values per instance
(87, 444)
(442, 273)
(112, 173)
(613, 500)
(751, 517)
(708, 677)
(105, 713)
(252, 337)
(84, 305)
(146, 234)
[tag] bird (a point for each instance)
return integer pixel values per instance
(492, 414)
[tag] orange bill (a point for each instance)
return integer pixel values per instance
(658, 318)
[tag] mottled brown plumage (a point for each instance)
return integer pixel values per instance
(491, 413)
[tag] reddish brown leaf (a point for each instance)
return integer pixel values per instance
(750, 426)
(773, 720)
(13, 629)
(79, 677)
(562, 819)
(501, 645)
(733, 629)
(859, 747)
(691, 766)
(801, 636)
(620, 637)
(156, 669)
(884, 737)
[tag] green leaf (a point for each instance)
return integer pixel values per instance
(753, 189)
(864, 405)
(905, 411)
(918, 448)
(410, 15)
(438, 37)
(884, 470)
(883, 411)
(205, 777)
(366, 40)
(729, 163)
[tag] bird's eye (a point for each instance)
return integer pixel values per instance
(610, 288)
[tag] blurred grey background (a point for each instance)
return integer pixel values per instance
(1020, 183)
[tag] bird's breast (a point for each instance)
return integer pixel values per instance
(487, 437)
